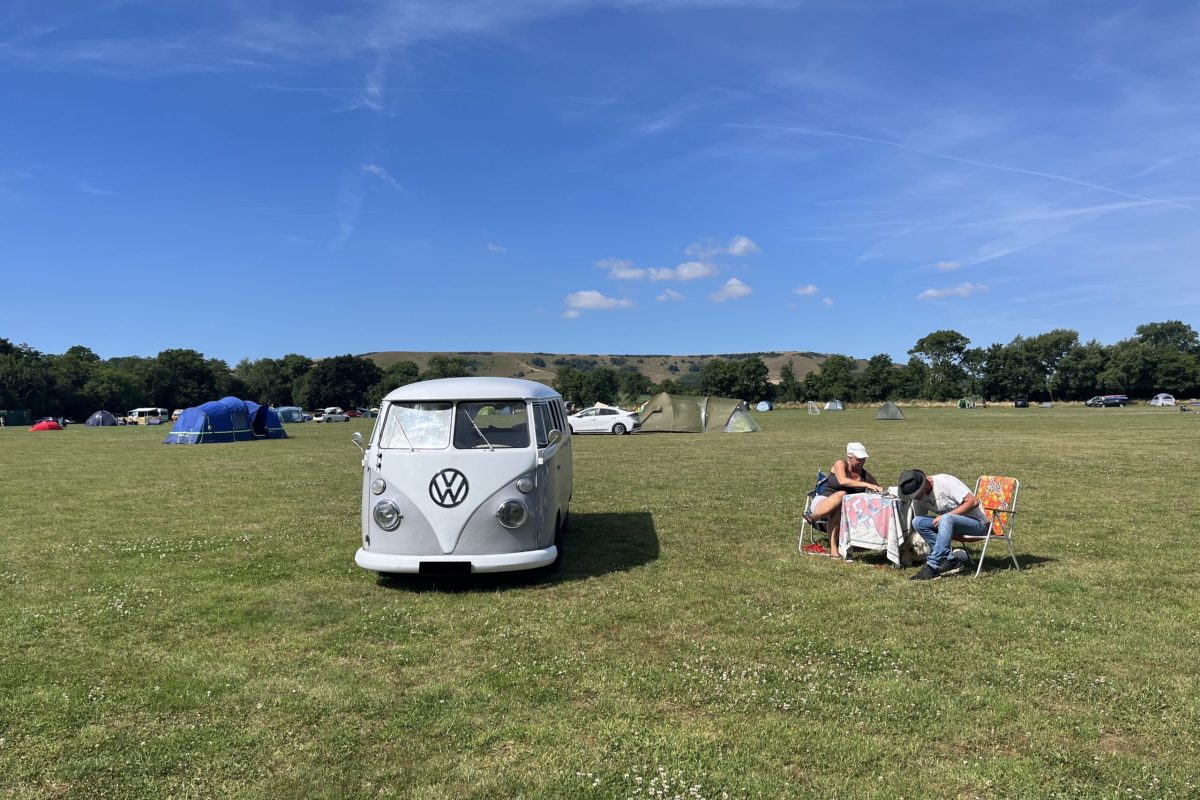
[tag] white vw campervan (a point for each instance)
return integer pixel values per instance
(464, 475)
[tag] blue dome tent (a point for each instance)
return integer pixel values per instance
(226, 420)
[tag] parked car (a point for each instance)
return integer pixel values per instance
(1108, 400)
(1021, 402)
(331, 414)
(354, 412)
(604, 419)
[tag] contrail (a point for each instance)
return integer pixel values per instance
(1035, 173)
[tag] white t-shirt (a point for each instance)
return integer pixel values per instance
(947, 495)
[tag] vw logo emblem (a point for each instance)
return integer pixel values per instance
(448, 488)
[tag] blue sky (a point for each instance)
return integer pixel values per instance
(594, 176)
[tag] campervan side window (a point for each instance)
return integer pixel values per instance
(421, 426)
(498, 423)
(541, 415)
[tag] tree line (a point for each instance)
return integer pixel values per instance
(78, 382)
(1159, 357)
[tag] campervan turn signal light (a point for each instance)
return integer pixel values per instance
(387, 515)
(378, 485)
(512, 514)
(525, 485)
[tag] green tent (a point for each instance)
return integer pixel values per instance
(889, 410)
(692, 414)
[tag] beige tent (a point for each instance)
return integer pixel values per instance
(692, 414)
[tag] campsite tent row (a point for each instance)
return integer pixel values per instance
(226, 420)
(679, 413)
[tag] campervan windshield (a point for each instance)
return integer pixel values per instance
(420, 426)
(484, 424)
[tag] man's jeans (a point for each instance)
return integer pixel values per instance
(939, 539)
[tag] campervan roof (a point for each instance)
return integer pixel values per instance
(472, 389)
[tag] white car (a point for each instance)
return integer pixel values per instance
(331, 414)
(604, 419)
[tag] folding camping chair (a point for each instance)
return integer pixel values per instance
(810, 500)
(998, 499)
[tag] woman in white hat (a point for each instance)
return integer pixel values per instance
(848, 476)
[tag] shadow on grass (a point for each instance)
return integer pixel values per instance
(994, 564)
(593, 545)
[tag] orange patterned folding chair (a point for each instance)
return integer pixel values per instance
(998, 499)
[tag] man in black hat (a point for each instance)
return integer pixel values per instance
(942, 507)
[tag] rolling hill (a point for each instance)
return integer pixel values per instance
(543, 366)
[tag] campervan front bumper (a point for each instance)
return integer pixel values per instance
(500, 562)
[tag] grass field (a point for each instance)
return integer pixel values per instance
(188, 622)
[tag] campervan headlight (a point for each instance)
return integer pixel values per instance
(512, 514)
(525, 485)
(387, 515)
(378, 485)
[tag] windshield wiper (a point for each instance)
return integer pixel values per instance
(404, 433)
(476, 427)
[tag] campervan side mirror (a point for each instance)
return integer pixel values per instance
(555, 436)
(356, 437)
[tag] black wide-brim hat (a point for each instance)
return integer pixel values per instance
(912, 481)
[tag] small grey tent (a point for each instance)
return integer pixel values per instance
(679, 413)
(889, 410)
(100, 418)
(835, 405)
(764, 405)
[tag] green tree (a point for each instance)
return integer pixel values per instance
(394, 376)
(720, 377)
(1079, 371)
(112, 388)
(601, 385)
(879, 378)
(25, 380)
(181, 378)
(569, 383)
(942, 353)
(70, 373)
(788, 390)
(1172, 334)
(753, 381)
(342, 380)
(633, 385)
(442, 366)
(837, 377)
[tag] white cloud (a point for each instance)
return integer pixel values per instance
(732, 289)
(962, 290)
(592, 300)
(947, 266)
(742, 246)
(621, 269)
(687, 271)
(382, 174)
(570, 313)
(670, 294)
(496, 248)
(828, 301)
(708, 248)
(807, 290)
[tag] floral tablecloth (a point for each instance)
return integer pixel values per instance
(871, 521)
